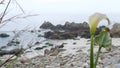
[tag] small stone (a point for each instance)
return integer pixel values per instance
(72, 65)
(38, 48)
(37, 43)
(46, 52)
(74, 43)
(4, 35)
(61, 46)
(55, 53)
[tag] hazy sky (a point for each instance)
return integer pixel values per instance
(60, 11)
(71, 6)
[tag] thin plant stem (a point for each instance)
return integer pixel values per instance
(6, 61)
(13, 60)
(96, 61)
(5, 11)
(92, 52)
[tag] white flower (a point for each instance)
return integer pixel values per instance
(95, 19)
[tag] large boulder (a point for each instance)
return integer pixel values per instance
(115, 31)
(58, 27)
(61, 35)
(85, 25)
(71, 26)
(75, 26)
(85, 34)
(47, 25)
(48, 34)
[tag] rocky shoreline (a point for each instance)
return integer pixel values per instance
(71, 30)
(75, 56)
(67, 46)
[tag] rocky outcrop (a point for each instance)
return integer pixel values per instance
(58, 27)
(75, 26)
(66, 31)
(47, 25)
(67, 26)
(115, 31)
(67, 35)
(69, 30)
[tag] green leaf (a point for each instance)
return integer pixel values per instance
(103, 39)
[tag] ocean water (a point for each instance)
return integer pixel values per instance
(25, 37)
(35, 22)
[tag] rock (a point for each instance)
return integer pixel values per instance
(14, 42)
(32, 31)
(44, 46)
(37, 43)
(69, 35)
(68, 30)
(4, 35)
(46, 52)
(15, 52)
(49, 44)
(75, 26)
(61, 46)
(85, 25)
(48, 34)
(54, 53)
(115, 31)
(40, 35)
(3, 47)
(85, 34)
(60, 50)
(58, 27)
(47, 25)
(74, 43)
(38, 48)
(39, 30)
(61, 35)
(56, 36)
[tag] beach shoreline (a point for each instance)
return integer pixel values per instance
(76, 55)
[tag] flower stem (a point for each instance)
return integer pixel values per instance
(92, 52)
(96, 61)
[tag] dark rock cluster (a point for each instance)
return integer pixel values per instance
(68, 26)
(115, 31)
(4, 35)
(69, 30)
(54, 51)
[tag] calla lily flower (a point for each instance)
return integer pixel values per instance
(94, 21)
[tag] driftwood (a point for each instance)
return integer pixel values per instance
(15, 52)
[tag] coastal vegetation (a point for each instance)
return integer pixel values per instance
(103, 40)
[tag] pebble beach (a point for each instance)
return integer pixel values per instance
(74, 54)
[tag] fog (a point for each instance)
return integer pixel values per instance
(59, 11)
